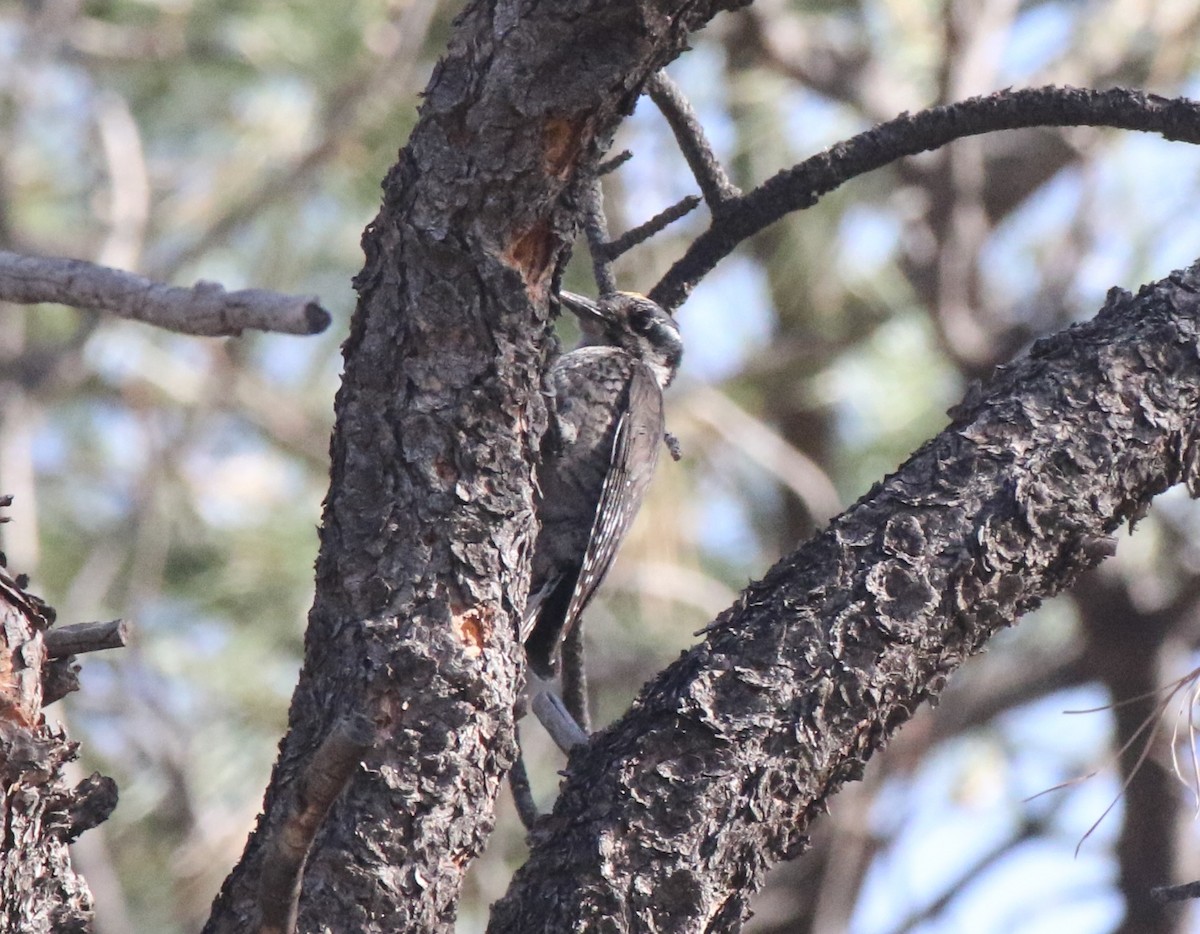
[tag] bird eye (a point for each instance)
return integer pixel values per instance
(642, 319)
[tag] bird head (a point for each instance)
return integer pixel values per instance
(633, 323)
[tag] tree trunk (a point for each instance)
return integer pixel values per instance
(40, 892)
(423, 565)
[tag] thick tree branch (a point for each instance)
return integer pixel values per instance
(204, 309)
(802, 185)
(669, 818)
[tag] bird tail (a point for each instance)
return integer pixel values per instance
(546, 625)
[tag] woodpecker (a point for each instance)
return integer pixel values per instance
(598, 454)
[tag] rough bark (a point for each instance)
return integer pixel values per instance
(422, 569)
(668, 819)
(40, 892)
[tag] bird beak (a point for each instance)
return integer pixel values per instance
(592, 321)
(582, 307)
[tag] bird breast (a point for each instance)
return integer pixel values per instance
(591, 387)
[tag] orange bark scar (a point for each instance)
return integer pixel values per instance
(562, 141)
(530, 252)
(473, 627)
(531, 248)
(22, 653)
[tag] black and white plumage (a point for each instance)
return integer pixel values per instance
(598, 456)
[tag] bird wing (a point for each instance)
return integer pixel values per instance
(631, 465)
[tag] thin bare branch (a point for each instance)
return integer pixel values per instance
(327, 773)
(204, 309)
(64, 641)
(612, 249)
(613, 163)
(595, 227)
(518, 784)
(715, 185)
(802, 185)
(1176, 893)
(1146, 729)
